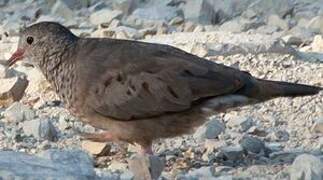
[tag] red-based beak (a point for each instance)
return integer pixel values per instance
(18, 55)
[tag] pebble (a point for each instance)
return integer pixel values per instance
(104, 16)
(18, 112)
(306, 166)
(40, 129)
(146, 167)
(210, 130)
(12, 89)
(51, 164)
(252, 144)
(240, 123)
(234, 152)
(96, 148)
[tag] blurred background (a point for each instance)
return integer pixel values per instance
(272, 39)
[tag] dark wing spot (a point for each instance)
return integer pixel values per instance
(172, 92)
(107, 82)
(188, 72)
(145, 85)
(119, 78)
(128, 92)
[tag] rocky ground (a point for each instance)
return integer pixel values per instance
(278, 40)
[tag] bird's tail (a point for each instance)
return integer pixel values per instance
(265, 89)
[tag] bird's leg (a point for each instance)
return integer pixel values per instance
(146, 148)
(99, 137)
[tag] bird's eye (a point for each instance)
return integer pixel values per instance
(30, 40)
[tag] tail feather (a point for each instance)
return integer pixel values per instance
(279, 88)
(265, 89)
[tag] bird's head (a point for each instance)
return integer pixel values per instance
(38, 40)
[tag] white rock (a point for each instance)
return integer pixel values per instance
(53, 164)
(12, 89)
(146, 167)
(200, 11)
(234, 152)
(318, 125)
(104, 16)
(210, 130)
(155, 10)
(62, 10)
(40, 129)
(317, 44)
(3, 2)
(315, 24)
(241, 123)
(126, 6)
(275, 20)
(96, 148)
(292, 40)
(117, 166)
(307, 166)
(18, 112)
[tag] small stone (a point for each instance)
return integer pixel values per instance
(155, 10)
(3, 2)
(5, 72)
(146, 167)
(176, 21)
(40, 129)
(116, 166)
(126, 175)
(211, 130)
(241, 123)
(275, 20)
(12, 89)
(189, 26)
(62, 10)
(96, 148)
(278, 135)
(252, 144)
(201, 173)
(126, 6)
(200, 11)
(315, 24)
(104, 16)
(306, 166)
(52, 164)
(318, 126)
(234, 152)
(18, 112)
(317, 44)
(292, 40)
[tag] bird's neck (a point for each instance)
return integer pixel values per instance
(58, 67)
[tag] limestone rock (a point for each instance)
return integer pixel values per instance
(12, 89)
(307, 166)
(18, 112)
(104, 16)
(146, 167)
(52, 164)
(96, 148)
(40, 129)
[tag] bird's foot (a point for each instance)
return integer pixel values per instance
(98, 137)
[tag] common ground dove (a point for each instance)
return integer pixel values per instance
(138, 91)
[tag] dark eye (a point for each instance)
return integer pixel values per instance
(30, 40)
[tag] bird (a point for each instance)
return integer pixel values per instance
(138, 92)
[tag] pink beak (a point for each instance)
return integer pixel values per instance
(16, 56)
